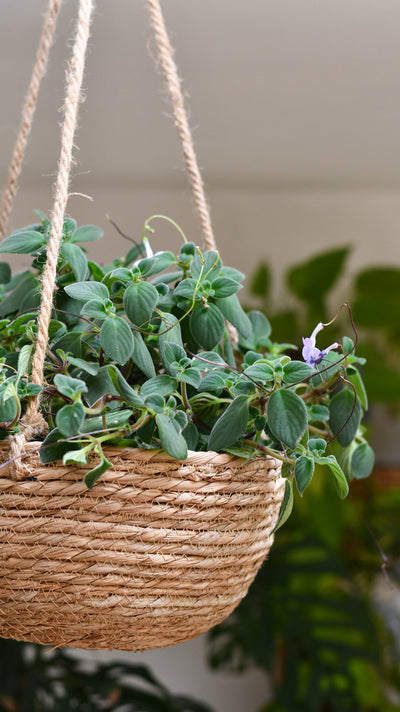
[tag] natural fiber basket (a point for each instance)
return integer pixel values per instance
(157, 553)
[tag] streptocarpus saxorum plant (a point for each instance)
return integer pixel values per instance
(139, 355)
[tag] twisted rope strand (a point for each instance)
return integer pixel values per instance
(28, 112)
(170, 72)
(33, 422)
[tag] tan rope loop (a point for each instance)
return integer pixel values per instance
(33, 419)
(28, 112)
(170, 72)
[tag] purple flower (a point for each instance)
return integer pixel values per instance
(312, 355)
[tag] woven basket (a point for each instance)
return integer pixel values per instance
(157, 553)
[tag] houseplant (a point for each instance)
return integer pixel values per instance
(139, 364)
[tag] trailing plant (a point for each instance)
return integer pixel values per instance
(374, 295)
(139, 355)
(34, 679)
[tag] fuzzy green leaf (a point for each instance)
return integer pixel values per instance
(124, 389)
(52, 449)
(162, 385)
(83, 291)
(116, 339)
(233, 312)
(362, 461)
(286, 506)
(207, 325)
(69, 386)
(140, 300)
(341, 483)
(92, 476)
(141, 356)
(260, 371)
(95, 309)
(172, 442)
(231, 425)
(225, 287)
(23, 242)
(354, 376)
(296, 371)
(70, 418)
(287, 417)
(344, 416)
(206, 267)
(76, 259)
(87, 233)
(303, 472)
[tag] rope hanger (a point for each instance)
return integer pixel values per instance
(33, 422)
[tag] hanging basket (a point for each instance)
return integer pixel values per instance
(157, 553)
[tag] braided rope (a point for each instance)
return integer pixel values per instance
(33, 422)
(28, 112)
(170, 72)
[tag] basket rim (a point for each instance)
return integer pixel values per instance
(158, 455)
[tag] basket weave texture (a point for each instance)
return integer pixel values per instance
(157, 553)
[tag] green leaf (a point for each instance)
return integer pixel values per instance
(344, 416)
(175, 353)
(52, 450)
(192, 376)
(191, 435)
(362, 461)
(70, 418)
(13, 300)
(158, 263)
(78, 457)
(9, 409)
(296, 371)
(206, 267)
(225, 287)
(69, 386)
(287, 417)
(76, 259)
(303, 472)
(141, 356)
(172, 442)
(87, 233)
(169, 332)
(233, 312)
(83, 291)
(116, 339)
(140, 300)
(23, 242)
(341, 483)
(312, 280)
(5, 273)
(207, 325)
(124, 389)
(94, 308)
(231, 425)
(286, 506)
(162, 385)
(260, 371)
(354, 376)
(186, 288)
(69, 227)
(212, 382)
(24, 359)
(117, 419)
(92, 476)
(86, 366)
(318, 413)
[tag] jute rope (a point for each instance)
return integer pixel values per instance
(33, 422)
(170, 72)
(28, 112)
